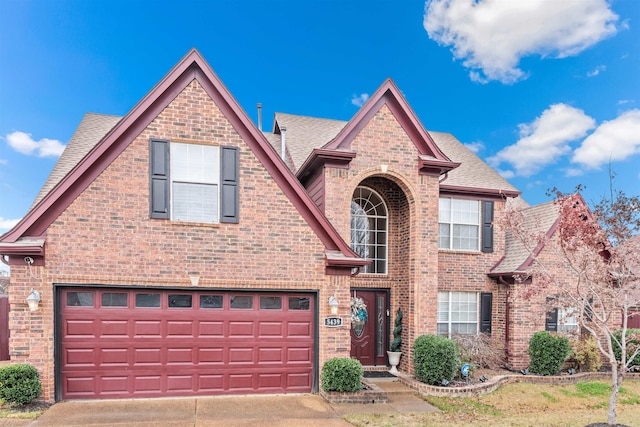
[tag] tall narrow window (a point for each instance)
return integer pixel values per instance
(369, 229)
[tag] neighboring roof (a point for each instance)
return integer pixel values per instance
(101, 149)
(539, 219)
(90, 131)
(304, 134)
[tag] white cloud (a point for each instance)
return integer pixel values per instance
(359, 100)
(23, 143)
(596, 71)
(625, 101)
(544, 140)
(4, 162)
(613, 140)
(475, 146)
(491, 36)
(7, 224)
(572, 172)
(506, 174)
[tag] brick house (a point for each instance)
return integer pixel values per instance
(179, 250)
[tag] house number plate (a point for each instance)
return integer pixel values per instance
(333, 322)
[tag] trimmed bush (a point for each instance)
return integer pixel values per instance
(342, 374)
(435, 359)
(547, 352)
(19, 384)
(633, 341)
(586, 354)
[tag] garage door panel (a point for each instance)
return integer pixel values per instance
(211, 355)
(270, 355)
(180, 383)
(114, 357)
(149, 383)
(80, 357)
(80, 328)
(207, 329)
(299, 329)
(180, 356)
(148, 328)
(242, 355)
(179, 329)
(239, 329)
(114, 328)
(122, 351)
(146, 356)
(271, 329)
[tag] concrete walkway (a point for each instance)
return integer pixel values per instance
(307, 410)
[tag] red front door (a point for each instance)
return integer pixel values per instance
(369, 339)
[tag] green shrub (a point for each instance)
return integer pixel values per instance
(547, 352)
(342, 374)
(633, 340)
(19, 384)
(586, 354)
(435, 359)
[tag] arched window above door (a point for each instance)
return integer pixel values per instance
(369, 229)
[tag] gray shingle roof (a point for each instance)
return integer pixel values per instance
(304, 134)
(473, 172)
(537, 219)
(90, 131)
(307, 133)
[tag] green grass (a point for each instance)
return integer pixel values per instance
(594, 388)
(462, 405)
(549, 397)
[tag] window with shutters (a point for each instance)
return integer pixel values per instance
(464, 224)
(457, 313)
(193, 182)
(195, 176)
(562, 319)
(459, 224)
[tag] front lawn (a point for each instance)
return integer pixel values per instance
(522, 404)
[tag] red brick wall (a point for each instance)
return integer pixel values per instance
(412, 201)
(106, 237)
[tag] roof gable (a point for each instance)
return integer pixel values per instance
(51, 202)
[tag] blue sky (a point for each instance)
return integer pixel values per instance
(548, 92)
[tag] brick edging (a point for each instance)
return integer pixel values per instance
(373, 394)
(494, 383)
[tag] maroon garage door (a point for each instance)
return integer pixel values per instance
(119, 343)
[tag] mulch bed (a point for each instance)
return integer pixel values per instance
(36, 405)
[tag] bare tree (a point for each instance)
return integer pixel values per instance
(600, 251)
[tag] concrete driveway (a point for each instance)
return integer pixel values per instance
(308, 410)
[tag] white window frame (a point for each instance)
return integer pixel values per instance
(372, 213)
(446, 317)
(200, 168)
(458, 217)
(568, 321)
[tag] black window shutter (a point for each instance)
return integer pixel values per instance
(486, 301)
(551, 323)
(487, 226)
(159, 179)
(229, 184)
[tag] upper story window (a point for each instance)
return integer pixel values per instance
(369, 227)
(459, 224)
(195, 175)
(193, 182)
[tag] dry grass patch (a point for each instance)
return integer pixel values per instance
(522, 405)
(30, 411)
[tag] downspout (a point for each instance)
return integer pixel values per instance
(506, 316)
(283, 143)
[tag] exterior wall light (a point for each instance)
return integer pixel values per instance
(333, 303)
(33, 300)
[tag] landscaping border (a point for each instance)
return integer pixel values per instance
(494, 383)
(370, 394)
